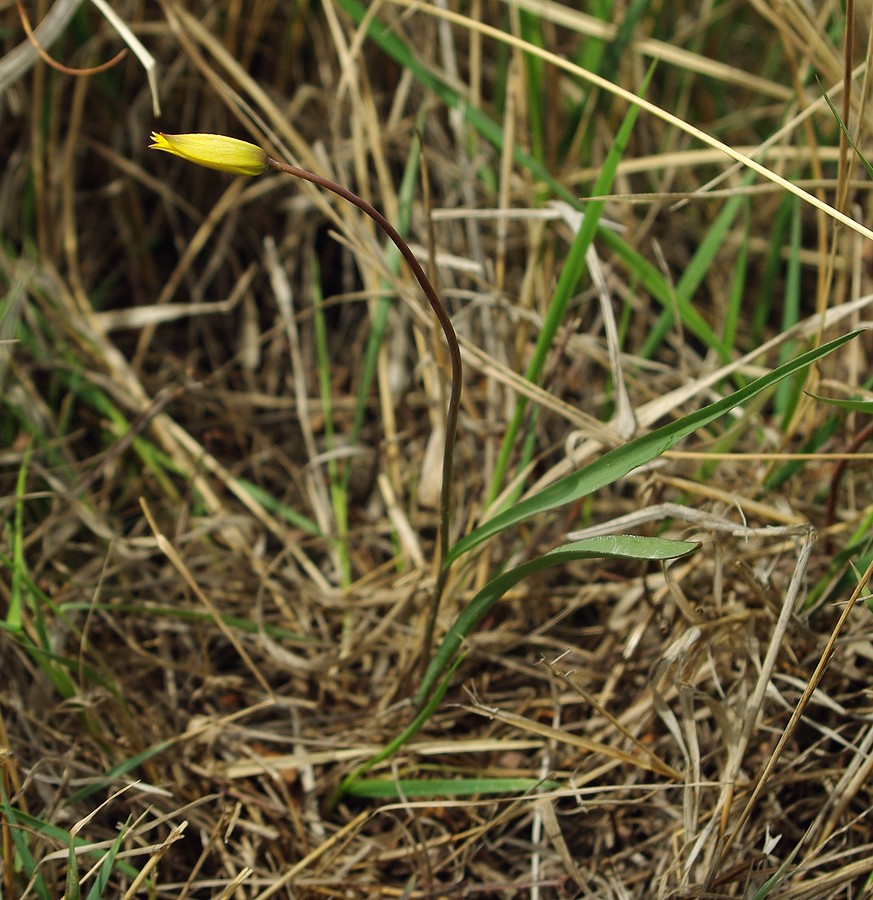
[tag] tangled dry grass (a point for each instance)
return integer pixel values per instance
(202, 635)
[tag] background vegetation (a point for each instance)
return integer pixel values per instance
(222, 420)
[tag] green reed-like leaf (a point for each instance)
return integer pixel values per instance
(619, 546)
(617, 463)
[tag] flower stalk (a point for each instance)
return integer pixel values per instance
(228, 154)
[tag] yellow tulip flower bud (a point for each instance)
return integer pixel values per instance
(214, 151)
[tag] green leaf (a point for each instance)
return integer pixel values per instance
(571, 273)
(612, 546)
(413, 788)
(72, 889)
(14, 615)
(680, 299)
(843, 128)
(852, 404)
(399, 740)
(22, 851)
(277, 508)
(616, 463)
(106, 866)
(23, 823)
(122, 768)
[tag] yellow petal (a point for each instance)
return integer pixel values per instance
(214, 151)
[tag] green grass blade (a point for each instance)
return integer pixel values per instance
(424, 788)
(851, 405)
(20, 820)
(787, 394)
(336, 485)
(763, 310)
(106, 867)
(22, 851)
(773, 881)
(577, 136)
(277, 508)
(696, 270)
(571, 273)
(55, 668)
(534, 69)
(813, 444)
(610, 547)
(127, 765)
(72, 889)
(840, 577)
(406, 735)
(593, 50)
(23, 588)
(625, 34)
(155, 460)
(738, 283)
(618, 462)
(656, 285)
(14, 616)
(247, 626)
(843, 128)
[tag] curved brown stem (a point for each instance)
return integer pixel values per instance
(442, 569)
(840, 469)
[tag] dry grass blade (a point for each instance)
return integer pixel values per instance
(650, 763)
(343, 834)
(157, 853)
(221, 427)
(137, 48)
(592, 26)
(800, 709)
(170, 552)
(649, 107)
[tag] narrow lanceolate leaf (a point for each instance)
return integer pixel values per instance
(617, 463)
(615, 546)
(852, 404)
(72, 890)
(416, 788)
